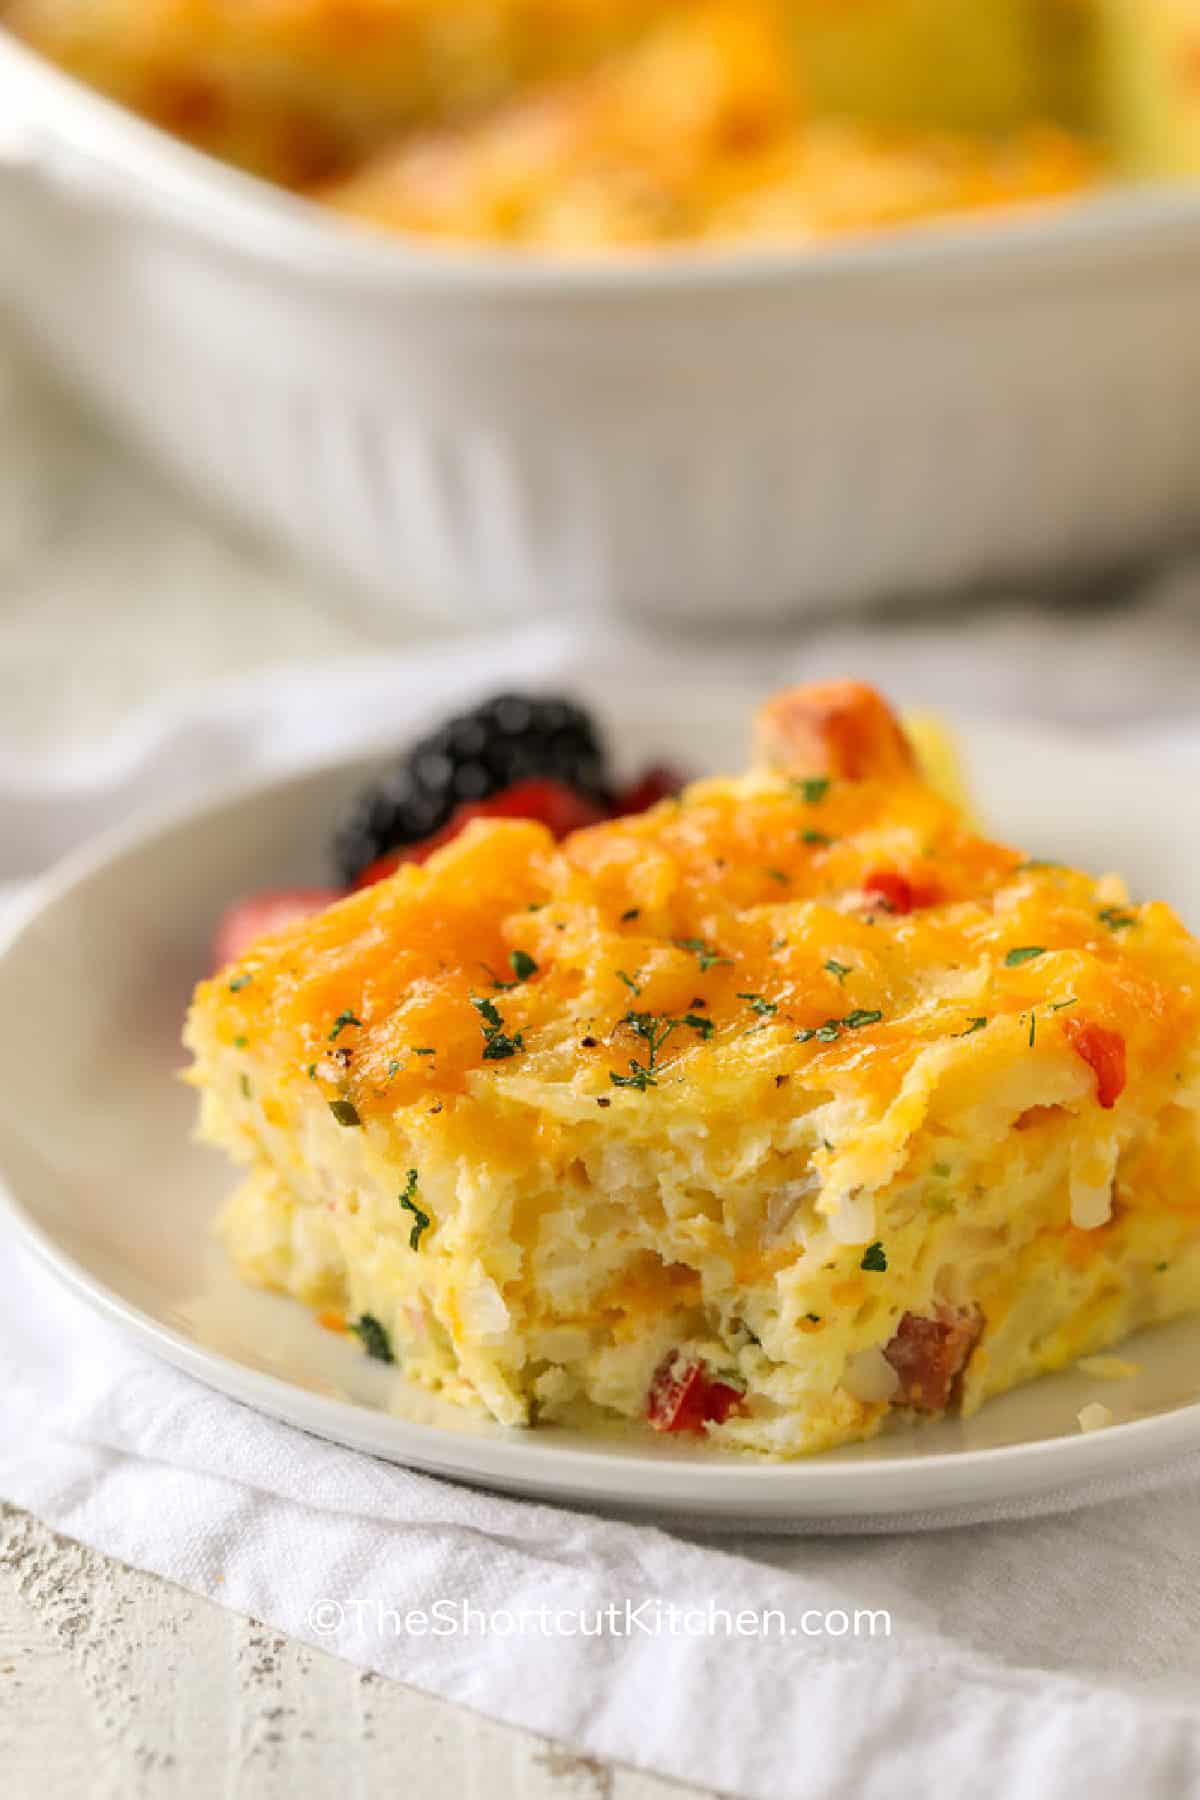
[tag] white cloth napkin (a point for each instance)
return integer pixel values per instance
(1045, 1655)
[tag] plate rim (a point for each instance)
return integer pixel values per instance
(805, 1490)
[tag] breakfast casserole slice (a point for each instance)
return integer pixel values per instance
(787, 1107)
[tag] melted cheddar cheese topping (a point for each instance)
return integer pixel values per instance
(764, 911)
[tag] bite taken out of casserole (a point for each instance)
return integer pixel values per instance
(787, 1108)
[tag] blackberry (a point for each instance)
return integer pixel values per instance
(510, 738)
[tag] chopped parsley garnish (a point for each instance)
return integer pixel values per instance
(421, 1220)
(780, 876)
(837, 968)
(424, 1050)
(707, 957)
(393, 1069)
(239, 982)
(345, 1112)
(654, 1032)
(1116, 919)
(874, 1259)
(1025, 953)
(973, 1025)
(375, 1340)
(812, 787)
(240, 1042)
(630, 983)
(766, 1009)
(704, 1027)
(1032, 1029)
(816, 837)
(813, 1318)
(639, 1077)
(497, 1046)
(340, 1023)
(522, 966)
(631, 913)
(832, 1029)
(247, 1090)
(1060, 1005)
(312, 1071)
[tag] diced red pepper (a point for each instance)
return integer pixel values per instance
(896, 893)
(1104, 1053)
(247, 920)
(888, 889)
(685, 1397)
(551, 803)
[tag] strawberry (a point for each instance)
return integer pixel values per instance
(551, 803)
(247, 920)
(656, 783)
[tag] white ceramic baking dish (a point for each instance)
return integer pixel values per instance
(693, 437)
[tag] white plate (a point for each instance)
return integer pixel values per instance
(104, 1184)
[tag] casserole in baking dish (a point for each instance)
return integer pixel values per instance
(591, 124)
(454, 430)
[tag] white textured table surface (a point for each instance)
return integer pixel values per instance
(115, 1685)
(112, 591)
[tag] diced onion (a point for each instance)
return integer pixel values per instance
(1091, 1207)
(852, 1218)
(781, 1207)
(1093, 1169)
(484, 1312)
(870, 1376)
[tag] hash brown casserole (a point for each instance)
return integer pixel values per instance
(787, 1108)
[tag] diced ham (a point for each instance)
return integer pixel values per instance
(929, 1355)
(843, 729)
